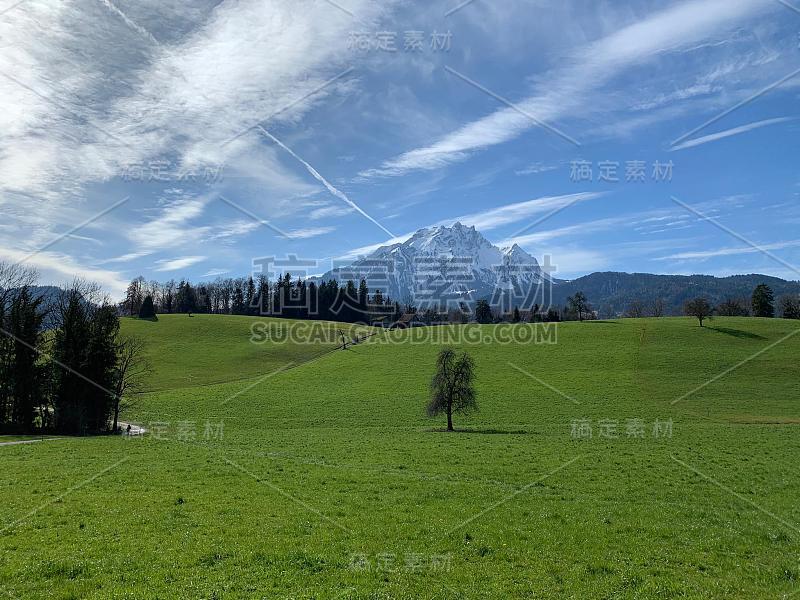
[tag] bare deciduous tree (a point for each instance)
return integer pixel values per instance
(452, 389)
(132, 366)
(635, 310)
(698, 308)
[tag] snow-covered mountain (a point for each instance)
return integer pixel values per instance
(440, 266)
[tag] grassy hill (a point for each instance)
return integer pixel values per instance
(326, 480)
(187, 351)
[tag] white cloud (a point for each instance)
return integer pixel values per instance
(329, 212)
(174, 264)
(95, 88)
(309, 232)
(536, 168)
(61, 269)
(170, 227)
(214, 273)
(124, 258)
(494, 218)
(705, 254)
(730, 132)
(567, 91)
(235, 229)
(513, 213)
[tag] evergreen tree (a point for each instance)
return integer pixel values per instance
(239, 303)
(26, 373)
(312, 295)
(100, 365)
(70, 343)
(263, 299)
(350, 302)
(363, 302)
(763, 301)
(147, 311)
(250, 296)
(186, 299)
(516, 317)
(483, 312)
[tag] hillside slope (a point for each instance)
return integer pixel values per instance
(185, 351)
(327, 480)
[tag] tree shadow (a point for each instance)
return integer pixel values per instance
(487, 431)
(737, 333)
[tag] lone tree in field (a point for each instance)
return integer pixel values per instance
(578, 304)
(452, 389)
(148, 310)
(763, 301)
(698, 308)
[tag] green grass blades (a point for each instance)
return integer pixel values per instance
(579, 477)
(186, 351)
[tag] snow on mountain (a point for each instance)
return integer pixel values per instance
(447, 265)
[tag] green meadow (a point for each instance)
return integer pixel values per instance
(288, 470)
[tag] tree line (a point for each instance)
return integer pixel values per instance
(286, 297)
(760, 304)
(70, 377)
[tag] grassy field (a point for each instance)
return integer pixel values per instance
(187, 351)
(326, 480)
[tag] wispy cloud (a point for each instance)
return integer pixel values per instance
(536, 168)
(514, 213)
(492, 218)
(731, 132)
(61, 268)
(705, 254)
(309, 232)
(171, 226)
(124, 258)
(175, 264)
(214, 273)
(567, 89)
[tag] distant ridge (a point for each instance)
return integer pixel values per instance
(443, 264)
(611, 293)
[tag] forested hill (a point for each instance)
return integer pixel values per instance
(611, 293)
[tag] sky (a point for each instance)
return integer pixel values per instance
(193, 140)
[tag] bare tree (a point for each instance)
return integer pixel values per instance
(635, 310)
(452, 388)
(13, 277)
(698, 308)
(733, 307)
(790, 307)
(657, 309)
(132, 367)
(579, 304)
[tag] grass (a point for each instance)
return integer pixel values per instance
(196, 350)
(327, 481)
(21, 438)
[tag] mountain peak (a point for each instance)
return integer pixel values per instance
(478, 267)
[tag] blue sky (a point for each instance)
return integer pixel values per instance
(195, 140)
